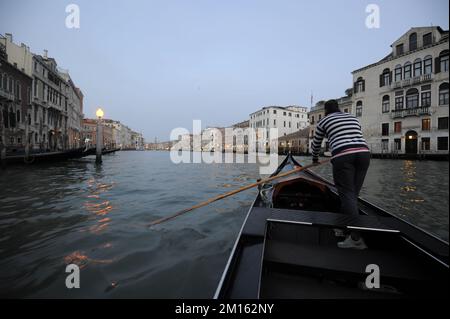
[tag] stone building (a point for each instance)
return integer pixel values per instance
(402, 100)
(297, 143)
(15, 103)
(285, 120)
(56, 103)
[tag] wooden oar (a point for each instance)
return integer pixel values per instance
(219, 197)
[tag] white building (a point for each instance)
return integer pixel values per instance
(287, 120)
(402, 100)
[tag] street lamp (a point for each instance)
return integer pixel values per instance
(99, 113)
(98, 158)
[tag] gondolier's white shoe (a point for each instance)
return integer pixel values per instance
(349, 242)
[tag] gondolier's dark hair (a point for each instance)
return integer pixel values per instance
(331, 106)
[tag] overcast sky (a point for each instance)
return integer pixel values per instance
(157, 65)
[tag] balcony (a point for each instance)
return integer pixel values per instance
(5, 95)
(417, 111)
(412, 81)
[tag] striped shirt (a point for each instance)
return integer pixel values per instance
(343, 132)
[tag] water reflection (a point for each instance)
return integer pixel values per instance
(95, 216)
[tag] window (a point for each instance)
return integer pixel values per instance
(290, 114)
(385, 129)
(284, 113)
(418, 67)
(359, 85)
(412, 98)
(442, 142)
(397, 127)
(320, 117)
(284, 124)
(443, 94)
(427, 65)
(274, 111)
(397, 144)
(274, 122)
(398, 73)
(407, 70)
(425, 144)
(413, 41)
(346, 110)
(442, 123)
(426, 124)
(384, 144)
(359, 106)
(399, 49)
(18, 116)
(426, 98)
(427, 39)
(443, 57)
(385, 78)
(385, 104)
(289, 124)
(312, 119)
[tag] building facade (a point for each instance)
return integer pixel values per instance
(402, 100)
(15, 103)
(287, 120)
(89, 134)
(297, 143)
(56, 103)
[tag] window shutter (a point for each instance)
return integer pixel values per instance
(364, 85)
(437, 65)
(355, 87)
(381, 80)
(390, 78)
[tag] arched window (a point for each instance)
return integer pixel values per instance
(359, 106)
(360, 85)
(412, 98)
(428, 65)
(398, 73)
(443, 59)
(443, 93)
(385, 104)
(417, 67)
(407, 70)
(385, 77)
(412, 41)
(18, 116)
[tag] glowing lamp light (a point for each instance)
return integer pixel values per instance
(410, 137)
(99, 113)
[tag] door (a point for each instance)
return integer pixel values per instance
(411, 142)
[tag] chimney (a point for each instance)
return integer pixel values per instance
(9, 37)
(45, 53)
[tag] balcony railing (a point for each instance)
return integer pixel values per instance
(6, 95)
(412, 81)
(417, 111)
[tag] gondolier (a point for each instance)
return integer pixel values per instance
(350, 159)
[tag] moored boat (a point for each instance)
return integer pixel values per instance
(287, 248)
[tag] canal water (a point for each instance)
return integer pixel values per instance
(96, 217)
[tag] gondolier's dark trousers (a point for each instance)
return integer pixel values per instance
(349, 172)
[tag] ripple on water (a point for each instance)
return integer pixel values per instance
(97, 217)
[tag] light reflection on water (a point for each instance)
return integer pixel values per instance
(96, 217)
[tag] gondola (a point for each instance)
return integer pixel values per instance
(287, 248)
